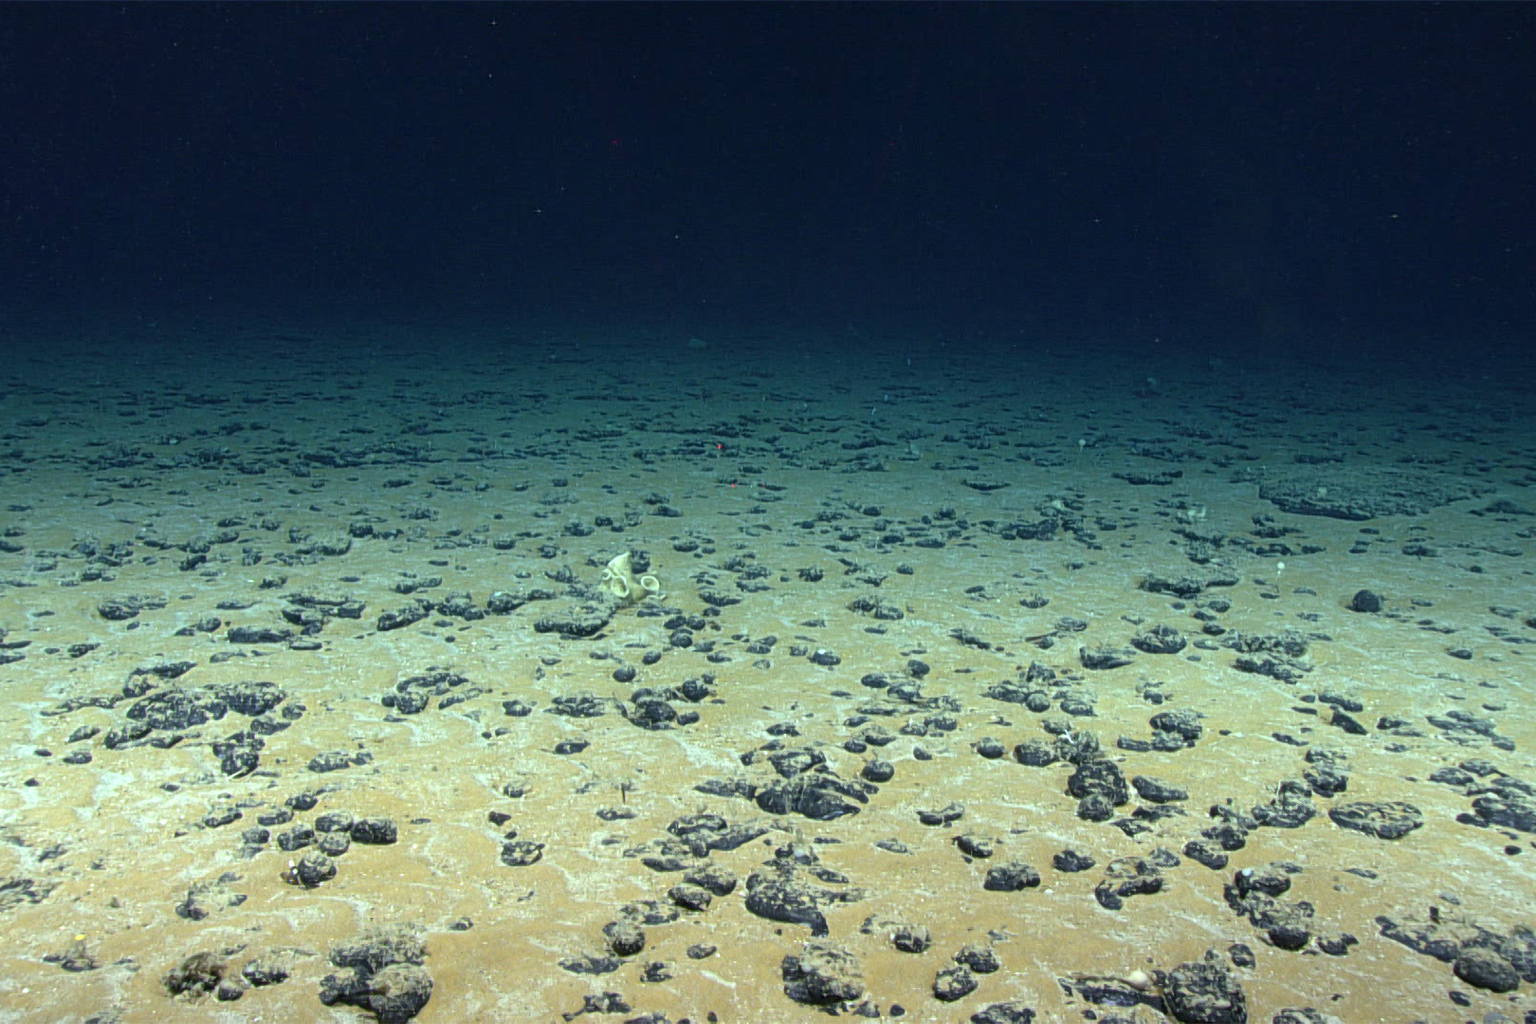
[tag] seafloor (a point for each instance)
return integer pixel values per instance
(868, 551)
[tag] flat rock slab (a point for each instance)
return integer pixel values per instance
(1365, 492)
(1385, 819)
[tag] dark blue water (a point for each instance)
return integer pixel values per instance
(1216, 177)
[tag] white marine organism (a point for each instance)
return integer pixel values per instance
(619, 580)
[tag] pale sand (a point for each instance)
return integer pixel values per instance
(123, 869)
